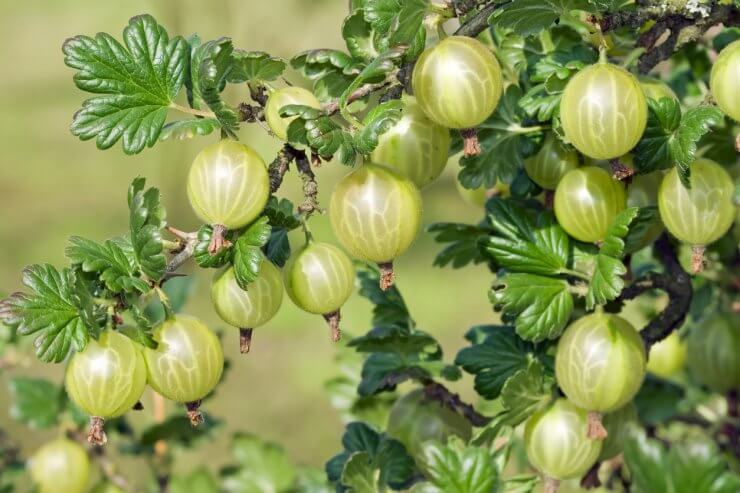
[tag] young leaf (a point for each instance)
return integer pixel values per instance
(255, 67)
(464, 243)
(114, 262)
(378, 121)
(359, 36)
(526, 392)
(542, 305)
(247, 252)
(458, 468)
(606, 281)
(59, 308)
(216, 63)
(147, 218)
(281, 214)
(358, 474)
(528, 17)
(135, 83)
(613, 245)
(35, 402)
(262, 466)
(187, 129)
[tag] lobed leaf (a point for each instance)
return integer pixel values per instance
(255, 67)
(248, 255)
(458, 468)
(527, 17)
(146, 220)
(114, 261)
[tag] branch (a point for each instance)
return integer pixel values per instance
(187, 242)
(359, 93)
(676, 282)
(479, 22)
(438, 392)
(310, 187)
(279, 167)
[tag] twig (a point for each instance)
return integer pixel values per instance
(479, 22)
(438, 392)
(188, 241)
(279, 166)
(359, 93)
(310, 187)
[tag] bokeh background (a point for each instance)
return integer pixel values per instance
(52, 186)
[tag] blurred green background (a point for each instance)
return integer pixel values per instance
(52, 186)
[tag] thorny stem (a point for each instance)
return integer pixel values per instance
(359, 93)
(310, 187)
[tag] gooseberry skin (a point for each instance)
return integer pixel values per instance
(252, 307)
(702, 214)
(556, 443)
(228, 184)
(714, 352)
(668, 357)
(656, 88)
(643, 192)
(723, 80)
(319, 278)
(550, 164)
(60, 466)
(617, 424)
(415, 146)
(603, 111)
(586, 202)
(107, 378)
(375, 213)
(283, 97)
(414, 420)
(458, 82)
(600, 362)
(188, 361)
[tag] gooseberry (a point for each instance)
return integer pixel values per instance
(415, 419)
(415, 146)
(723, 80)
(656, 88)
(714, 352)
(250, 308)
(60, 466)
(458, 82)
(284, 97)
(603, 111)
(550, 164)
(556, 443)
(319, 278)
(586, 202)
(375, 214)
(228, 184)
(667, 357)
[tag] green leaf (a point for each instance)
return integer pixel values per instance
(187, 129)
(389, 306)
(318, 131)
(177, 431)
(375, 71)
(199, 481)
(382, 14)
(394, 339)
(255, 67)
(248, 255)
(59, 308)
(606, 281)
(542, 305)
(658, 400)
(216, 64)
(203, 257)
(358, 474)
(178, 291)
(458, 468)
(641, 226)
(378, 121)
(358, 34)
(114, 262)
(135, 83)
(695, 123)
(262, 467)
(613, 245)
(277, 249)
(35, 402)
(497, 358)
(409, 22)
(526, 245)
(147, 218)
(503, 145)
(647, 463)
(526, 392)
(528, 17)
(281, 214)
(540, 104)
(464, 243)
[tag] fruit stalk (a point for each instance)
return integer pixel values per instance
(333, 319)
(96, 433)
(218, 240)
(697, 258)
(245, 340)
(194, 414)
(387, 276)
(551, 485)
(471, 144)
(596, 430)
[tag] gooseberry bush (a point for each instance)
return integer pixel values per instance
(599, 140)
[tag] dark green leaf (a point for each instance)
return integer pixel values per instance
(393, 339)
(35, 402)
(640, 228)
(114, 262)
(248, 255)
(281, 214)
(187, 129)
(177, 430)
(464, 243)
(136, 83)
(647, 463)
(216, 66)
(389, 306)
(658, 400)
(606, 281)
(255, 67)
(613, 245)
(277, 248)
(695, 123)
(146, 219)
(528, 17)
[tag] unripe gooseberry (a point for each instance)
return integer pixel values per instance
(458, 82)
(415, 419)
(60, 466)
(617, 425)
(319, 278)
(551, 163)
(600, 362)
(603, 111)
(228, 184)
(643, 192)
(106, 379)
(667, 357)
(556, 443)
(375, 214)
(723, 80)
(250, 308)
(415, 146)
(187, 363)
(714, 352)
(587, 200)
(656, 88)
(284, 97)
(701, 214)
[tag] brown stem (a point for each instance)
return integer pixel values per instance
(438, 392)
(620, 171)
(245, 340)
(279, 167)
(471, 144)
(596, 430)
(478, 22)
(357, 94)
(251, 113)
(218, 239)
(310, 187)
(194, 414)
(591, 479)
(333, 319)
(189, 241)
(387, 276)
(697, 258)
(96, 433)
(551, 485)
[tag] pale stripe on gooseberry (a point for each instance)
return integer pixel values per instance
(252, 307)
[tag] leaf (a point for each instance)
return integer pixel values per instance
(458, 468)
(613, 245)
(177, 430)
(277, 249)
(216, 62)
(527, 17)
(503, 146)
(146, 219)
(539, 104)
(35, 402)
(375, 71)
(526, 392)
(262, 467)
(187, 129)
(389, 306)
(199, 481)
(542, 305)
(695, 123)
(409, 21)
(647, 463)
(641, 226)
(255, 67)
(59, 308)
(395, 340)
(658, 400)
(281, 214)
(495, 359)
(114, 262)
(135, 83)
(606, 281)
(377, 122)
(524, 245)
(464, 243)
(358, 34)
(318, 131)
(358, 474)
(203, 257)
(248, 255)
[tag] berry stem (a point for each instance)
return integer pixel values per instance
(471, 144)
(194, 414)
(596, 430)
(96, 433)
(333, 319)
(245, 340)
(697, 258)
(218, 239)
(551, 485)
(387, 276)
